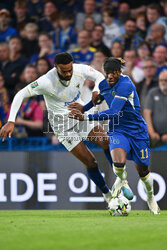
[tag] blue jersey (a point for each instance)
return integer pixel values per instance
(84, 58)
(5, 36)
(124, 108)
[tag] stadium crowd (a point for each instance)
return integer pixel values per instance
(32, 32)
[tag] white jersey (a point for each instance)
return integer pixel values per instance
(58, 94)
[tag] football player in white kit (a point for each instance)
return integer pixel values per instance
(61, 86)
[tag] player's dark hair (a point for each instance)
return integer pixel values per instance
(63, 58)
(113, 64)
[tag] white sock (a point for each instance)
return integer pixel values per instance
(120, 172)
(148, 185)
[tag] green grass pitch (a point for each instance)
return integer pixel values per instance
(77, 230)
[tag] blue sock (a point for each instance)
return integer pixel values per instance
(96, 176)
(108, 156)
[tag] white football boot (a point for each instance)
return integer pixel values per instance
(152, 204)
(127, 192)
(116, 188)
(108, 196)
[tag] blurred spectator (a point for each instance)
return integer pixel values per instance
(72, 6)
(22, 18)
(46, 49)
(164, 6)
(160, 56)
(143, 51)
(4, 102)
(98, 61)
(89, 24)
(29, 121)
(54, 20)
(43, 66)
(163, 19)
(16, 65)
(150, 80)
(89, 10)
(153, 16)
(141, 25)
(5, 30)
(129, 40)
(30, 42)
(137, 8)
(155, 111)
(116, 49)
(64, 37)
(123, 12)
(104, 4)
(156, 35)
(45, 22)
(97, 42)
(4, 56)
(30, 115)
(111, 29)
(84, 53)
(134, 72)
(153, 13)
(35, 9)
(29, 74)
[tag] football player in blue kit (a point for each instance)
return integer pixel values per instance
(127, 129)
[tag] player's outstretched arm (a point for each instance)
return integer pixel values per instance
(86, 107)
(113, 111)
(7, 129)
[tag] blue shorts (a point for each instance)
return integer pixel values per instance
(137, 150)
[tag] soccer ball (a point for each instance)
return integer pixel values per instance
(119, 206)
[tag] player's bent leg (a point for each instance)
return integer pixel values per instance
(119, 159)
(147, 181)
(98, 136)
(87, 158)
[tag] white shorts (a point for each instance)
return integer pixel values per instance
(72, 137)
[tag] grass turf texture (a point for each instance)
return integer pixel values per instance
(86, 229)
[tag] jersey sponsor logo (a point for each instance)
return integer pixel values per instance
(113, 93)
(116, 141)
(34, 84)
(78, 95)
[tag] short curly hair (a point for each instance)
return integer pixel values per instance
(63, 58)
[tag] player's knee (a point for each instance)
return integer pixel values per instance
(91, 163)
(118, 165)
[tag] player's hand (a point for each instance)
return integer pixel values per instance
(155, 135)
(95, 98)
(76, 105)
(6, 130)
(76, 114)
(164, 138)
